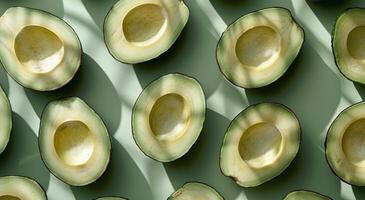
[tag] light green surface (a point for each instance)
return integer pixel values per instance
(313, 88)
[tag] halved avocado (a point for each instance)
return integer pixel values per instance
(110, 198)
(139, 30)
(348, 44)
(168, 117)
(18, 188)
(305, 195)
(74, 142)
(195, 190)
(5, 120)
(345, 145)
(39, 50)
(260, 144)
(258, 48)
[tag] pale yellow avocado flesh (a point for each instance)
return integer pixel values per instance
(259, 144)
(5, 120)
(259, 47)
(168, 117)
(140, 30)
(194, 191)
(348, 42)
(345, 145)
(40, 51)
(74, 142)
(20, 188)
(305, 195)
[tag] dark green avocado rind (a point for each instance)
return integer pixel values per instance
(130, 63)
(171, 196)
(11, 118)
(332, 42)
(39, 148)
(32, 179)
(135, 105)
(235, 118)
(325, 143)
(289, 63)
(77, 67)
(322, 195)
(110, 197)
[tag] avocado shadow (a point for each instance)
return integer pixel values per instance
(90, 84)
(201, 163)
(52, 6)
(21, 156)
(122, 178)
(4, 81)
(359, 192)
(360, 89)
(98, 10)
(328, 11)
(192, 54)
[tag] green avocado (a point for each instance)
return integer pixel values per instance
(5, 120)
(136, 31)
(168, 117)
(258, 48)
(348, 44)
(39, 50)
(305, 195)
(20, 188)
(195, 191)
(260, 144)
(73, 141)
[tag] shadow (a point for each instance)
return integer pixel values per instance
(328, 11)
(360, 90)
(359, 192)
(122, 178)
(21, 156)
(201, 163)
(98, 10)
(90, 84)
(233, 9)
(4, 81)
(193, 54)
(52, 6)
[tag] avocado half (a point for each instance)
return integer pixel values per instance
(258, 48)
(110, 198)
(39, 50)
(345, 145)
(305, 195)
(18, 187)
(195, 190)
(140, 30)
(260, 143)
(348, 41)
(73, 141)
(168, 117)
(5, 120)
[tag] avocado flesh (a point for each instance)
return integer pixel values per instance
(305, 195)
(348, 43)
(195, 190)
(140, 30)
(74, 142)
(5, 120)
(40, 51)
(259, 144)
(110, 198)
(259, 47)
(168, 117)
(345, 145)
(19, 188)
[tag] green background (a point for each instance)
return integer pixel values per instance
(312, 87)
